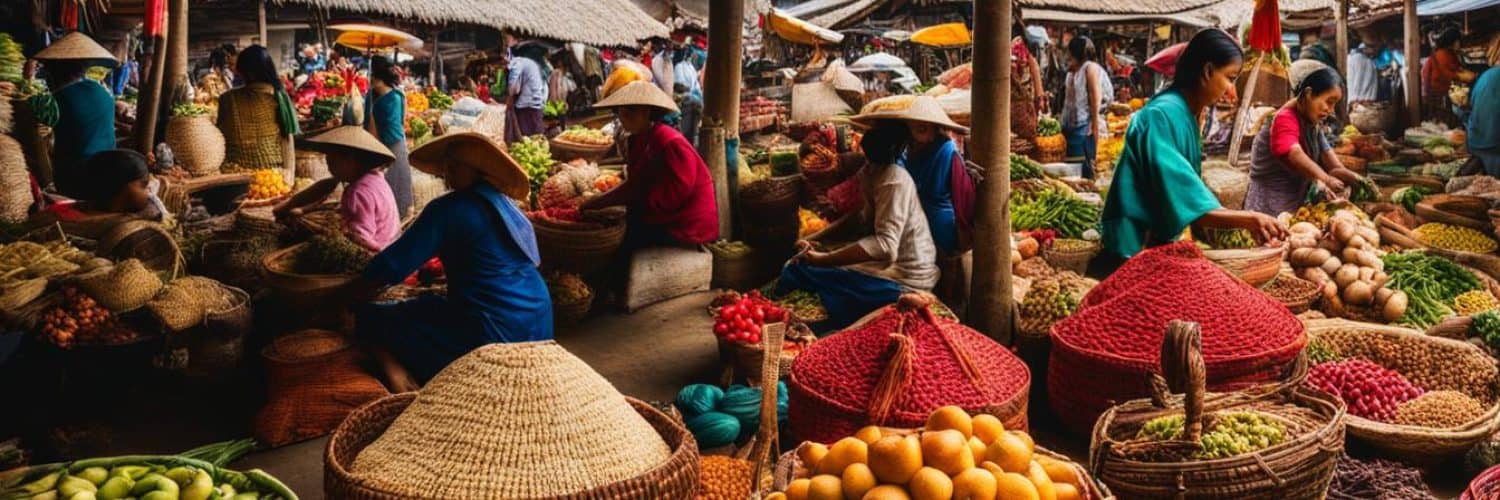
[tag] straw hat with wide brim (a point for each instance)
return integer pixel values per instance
(478, 151)
(349, 140)
(512, 420)
(923, 109)
(638, 93)
(77, 47)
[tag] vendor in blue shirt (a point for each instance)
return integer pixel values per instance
(85, 109)
(489, 253)
(526, 91)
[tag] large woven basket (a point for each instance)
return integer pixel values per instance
(276, 274)
(1076, 260)
(773, 195)
(125, 287)
(578, 250)
(566, 314)
(565, 151)
(312, 165)
(148, 241)
(675, 478)
(196, 144)
(1295, 293)
(1256, 266)
(746, 360)
(1421, 446)
(15, 182)
(1298, 468)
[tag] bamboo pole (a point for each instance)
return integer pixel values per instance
(721, 102)
(144, 131)
(1341, 46)
(1413, 36)
(990, 299)
(260, 18)
(175, 78)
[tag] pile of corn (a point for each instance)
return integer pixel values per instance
(1457, 238)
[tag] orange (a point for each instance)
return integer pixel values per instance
(974, 484)
(1030, 443)
(1067, 491)
(776, 495)
(811, 453)
(825, 487)
(894, 459)
(857, 481)
(1044, 487)
(951, 417)
(1058, 471)
(797, 489)
(887, 492)
(869, 434)
(1012, 486)
(994, 469)
(846, 451)
(987, 427)
(930, 484)
(976, 448)
(947, 451)
(1009, 452)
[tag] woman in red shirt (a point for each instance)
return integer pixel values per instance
(667, 188)
(1439, 71)
(1291, 153)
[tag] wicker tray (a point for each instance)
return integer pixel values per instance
(581, 251)
(1422, 446)
(277, 275)
(1256, 266)
(1071, 260)
(565, 151)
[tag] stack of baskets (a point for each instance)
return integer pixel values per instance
(223, 312)
(277, 274)
(314, 379)
(1299, 467)
(521, 420)
(1431, 363)
(895, 366)
(1101, 353)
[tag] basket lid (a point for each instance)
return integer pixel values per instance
(1176, 282)
(305, 344)
(932, 362)
(515, 420)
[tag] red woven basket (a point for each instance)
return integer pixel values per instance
(897, 365)
(1486, 486)
(1101, 354)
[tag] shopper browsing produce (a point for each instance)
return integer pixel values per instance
(667, 188)
(1484, 118)
(937, 168)
(489, 253)
(1291, 153)
(1157, 191)
(898, 255)
(85, 122)
(386, 119)
(367, 206)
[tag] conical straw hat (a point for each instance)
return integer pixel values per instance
(1301, 69)
(76, 46)
(922, 109)
(519, 420)
(816, 101)
(478, 151)
(349, 139)
(638, 93)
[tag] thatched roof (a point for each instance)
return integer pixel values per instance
(597, 22)
(1295, 13)
(694, 13)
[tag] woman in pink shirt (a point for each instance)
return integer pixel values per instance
(1292, 155)
(368, 206)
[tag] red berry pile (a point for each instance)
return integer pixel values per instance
(1371, 391)
(80, 319)
(739, 318)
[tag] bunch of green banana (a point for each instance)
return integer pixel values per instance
(1022, 167)
(1054, 209)
(11, 59)
(44, 106)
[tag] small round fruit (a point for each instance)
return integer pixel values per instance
(1009, 452)
(1058, 471)
(857, 480)
(887, 492)
(1012, 486)
(776, 495)
(811, 454)
(895, 459)
(1067, 491)
(976, 448)
(930, 484)
(797, 489)
(1044, 486)
(974, 484)
(951, 417)
(869, 434)
(846, 451)
(825, 487)
(987, 427)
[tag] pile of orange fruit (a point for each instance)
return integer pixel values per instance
(955, 456)
(266, 184)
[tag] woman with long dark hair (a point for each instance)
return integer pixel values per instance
(385, 117)
(1088, 88)
(1157, 190)
(1292, 154)
(258, 119)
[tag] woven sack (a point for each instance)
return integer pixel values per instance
(147, 241)
(894, 367)
(580, 250)
(1372, 118)
(313, 381)
(312, 165)
(1485, 486)
(1464, 368)
(125, 287)
(15, 181)
(1227, 183)
(197, 144)
(530, 419)
(1300, 467)
(1254, 266)
(1249, 338)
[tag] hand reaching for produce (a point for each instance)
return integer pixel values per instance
(1266, 228)
(1332, 187)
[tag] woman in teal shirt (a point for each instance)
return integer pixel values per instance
(85, 110)
(385, 118)
(1157, 190)
(1484, 118)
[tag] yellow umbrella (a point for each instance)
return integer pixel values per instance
(798, 31)
(943, 35)
(369, 37)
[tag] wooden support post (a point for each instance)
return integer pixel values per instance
(1341, 49)
(434, 61)
(990, 298)
(260, 17)
(1413, 36)
(721, 101)
(175, 77)
(144, 131)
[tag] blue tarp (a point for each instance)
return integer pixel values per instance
(1446, 7)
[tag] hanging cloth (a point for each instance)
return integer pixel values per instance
(156, 18)
(1265, 26)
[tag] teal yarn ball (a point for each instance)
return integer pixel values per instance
(698, 398)
(781, 402)
(713, 429)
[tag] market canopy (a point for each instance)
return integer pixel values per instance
(596, 22)
(1446, 7)
(943, 35)
(795, 30)
(372, 37)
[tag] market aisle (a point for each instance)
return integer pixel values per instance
(648, 355)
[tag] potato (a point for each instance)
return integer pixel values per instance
(1346, 274)
(1359, 293)
(1350, 255)
(1305, 228)
(1366, 273)
(1342, 230)
(1304, 257)
(1332, 265)
(1357, 242)
(1382, 295)
(1314, 274)
(1394, 307)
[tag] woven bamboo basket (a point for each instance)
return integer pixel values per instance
(737, 272)
(1485, 486)
(576, 250)
(1388, 346)
(775, 194)
(123, 288)
(256, 222)
(570, 313)
(15, 181)
(565, 151)
(18, 294)
(675, 478)
(197, 144)
(1295, 293)
(1256, 266)
(746, 360)
(276, 274)
(312, 165)
(1300, 467)
(1071, 260)
(148, 241)
(218, 346)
